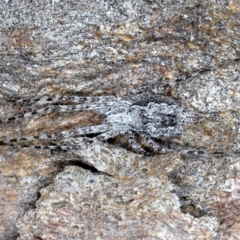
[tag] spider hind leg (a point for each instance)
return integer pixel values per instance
(135, 145)
(107, 135)
(85, 131)
(153, 144)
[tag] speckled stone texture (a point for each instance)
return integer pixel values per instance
(188, 50)
(138, 206)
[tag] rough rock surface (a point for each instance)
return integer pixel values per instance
(188, 50)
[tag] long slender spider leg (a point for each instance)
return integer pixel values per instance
(29, 143)
(193, 117)
(135, 145)
(73, 103)
(64, 134)
(107, 135)
(82, 131)
(152, 144)
(110, 134)
(32, 113)
(144, 98)
(60, 108)
(155, 88)
(70, 99)
(50, 147)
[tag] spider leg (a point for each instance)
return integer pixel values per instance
(49, 109)
(64, 134)
(85, 130)
(50, 147)
(48, 99)
(77, 107)
(144, 98)
(107, 135)
(153, 144)
(97, 104)
(135, 145)
(192, 117)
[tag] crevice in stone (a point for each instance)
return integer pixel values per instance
(191, 208)
(60, 165)
(86, 167)
(184, 189)
(83, 165)
(37, 237)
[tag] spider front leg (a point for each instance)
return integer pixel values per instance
(87, 130)
(153, 144)
(78, 132)
(72, 103)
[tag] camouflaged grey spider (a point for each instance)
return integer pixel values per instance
(148, 115)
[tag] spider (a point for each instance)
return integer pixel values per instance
(147, 115)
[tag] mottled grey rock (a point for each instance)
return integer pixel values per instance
(188, 50)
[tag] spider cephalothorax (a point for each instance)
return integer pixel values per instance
(148, 115)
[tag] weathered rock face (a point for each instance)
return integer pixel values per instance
(138, 206)
(187, 50)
